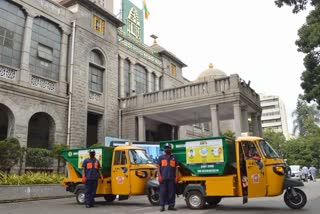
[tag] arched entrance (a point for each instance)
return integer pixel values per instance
(41, 131)
(6, 122)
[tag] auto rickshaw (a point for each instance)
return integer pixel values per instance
(220, 167)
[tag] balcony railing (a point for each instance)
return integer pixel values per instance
(195, 90)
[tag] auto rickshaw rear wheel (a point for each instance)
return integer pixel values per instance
(295, 201)
(195, 200)
(80, 196)
(109, 198)
(213, 200)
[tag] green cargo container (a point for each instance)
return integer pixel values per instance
(204, 156)
(76, 156)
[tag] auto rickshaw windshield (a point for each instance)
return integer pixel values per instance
(139, 156)
(267, 150)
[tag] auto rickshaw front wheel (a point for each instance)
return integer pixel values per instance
(154, 196)
(295, 198)
(80, 196)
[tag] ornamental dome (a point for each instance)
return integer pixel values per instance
(210, 73)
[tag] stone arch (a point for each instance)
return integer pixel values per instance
(41, 131)
(7, 122)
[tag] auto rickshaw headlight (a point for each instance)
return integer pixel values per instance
(279, 170)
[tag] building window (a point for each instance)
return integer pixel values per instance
(153, 82)
(126, 69)
(140, 79)
(173, 70)
(12, 21)
(45, 49)
(98, 24)
(96, 69)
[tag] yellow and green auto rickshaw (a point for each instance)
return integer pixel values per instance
(216, 167)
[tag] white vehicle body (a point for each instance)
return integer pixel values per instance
(295, 171)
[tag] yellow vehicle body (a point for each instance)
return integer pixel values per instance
(262, 174)
(127, 178)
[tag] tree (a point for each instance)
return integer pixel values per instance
(56, 153)
(10, 151)
(306, 116)
(308, 43)
(276, 140)
(298, 5)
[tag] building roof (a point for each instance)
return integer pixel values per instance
(117, 22)
(162, 51)
(210, 73)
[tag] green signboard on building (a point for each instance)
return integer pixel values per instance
(132, 16)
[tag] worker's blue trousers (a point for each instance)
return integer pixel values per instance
(90, 191)
(168, 193)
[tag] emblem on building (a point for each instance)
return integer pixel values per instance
(133, 24)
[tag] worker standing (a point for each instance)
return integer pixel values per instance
(168, 177)
(90, 175)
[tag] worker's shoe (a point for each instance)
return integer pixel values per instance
(91, 205)
(161, 208)
(88, 206)
(172, 208)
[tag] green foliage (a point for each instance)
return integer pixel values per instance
(38, 158)
(10, 151)
(276, 140)
(306, 116)
(297, 5)
(56, 151)
(30, 178)
(308, 43)
(229, 134)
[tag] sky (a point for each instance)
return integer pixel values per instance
(253, 38)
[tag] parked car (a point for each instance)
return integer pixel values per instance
(296, 171)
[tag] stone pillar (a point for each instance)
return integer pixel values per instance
(259, 125)
(244, 119)
(215, 120)
(149, 86)
(142, 128)
(157, 83)
(254, 122)
(237, 118)
(25, 53)
(121, 76)
(132, 80)
(63, 64)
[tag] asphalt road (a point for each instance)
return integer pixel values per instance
(140, 204)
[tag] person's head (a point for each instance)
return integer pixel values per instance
(167, 148)
(92, 153)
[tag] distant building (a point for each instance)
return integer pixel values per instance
(274, 114)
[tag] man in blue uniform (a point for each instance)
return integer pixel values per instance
(168, 177)
(90, 175)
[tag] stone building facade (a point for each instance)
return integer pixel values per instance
(72, 72)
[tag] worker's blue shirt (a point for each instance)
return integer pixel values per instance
(167, 165)
(91, 167)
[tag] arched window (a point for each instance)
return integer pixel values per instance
(140, 79)
(12, 21)
(45, 49)
(6, 122)
(96, 69)
(126, 70)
